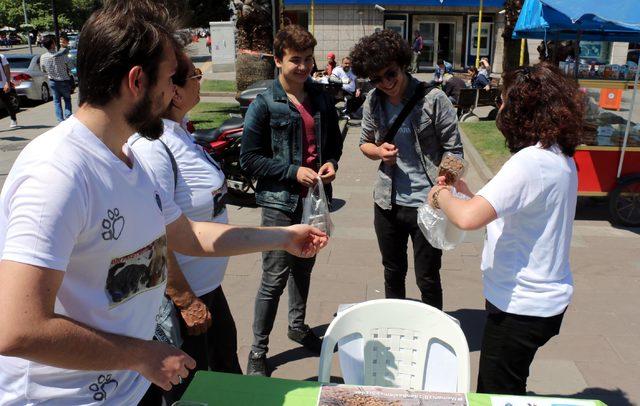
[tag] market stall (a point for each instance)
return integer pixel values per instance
(609, 162)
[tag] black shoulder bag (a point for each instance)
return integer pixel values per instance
(421, 91)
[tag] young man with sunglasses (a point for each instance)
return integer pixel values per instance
(291, 137)
(409, 162)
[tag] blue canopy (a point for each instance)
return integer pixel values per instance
(412, 3)
(596, 20)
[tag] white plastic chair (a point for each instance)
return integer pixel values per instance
(398, 337)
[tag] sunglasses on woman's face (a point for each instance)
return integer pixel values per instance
(389, 74)
(197, 74)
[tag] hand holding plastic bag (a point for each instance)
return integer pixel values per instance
(437, 228)
(315, 208)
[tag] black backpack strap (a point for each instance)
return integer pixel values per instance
(421, 91)
(174, 164)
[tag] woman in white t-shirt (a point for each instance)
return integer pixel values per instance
(528, 208)
(194, 283)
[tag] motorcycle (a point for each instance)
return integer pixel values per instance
(223, 143)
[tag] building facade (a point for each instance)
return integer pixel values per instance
(449, 29)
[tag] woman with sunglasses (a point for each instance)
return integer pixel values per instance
(207, 327)
(528, 208)
(409, 162)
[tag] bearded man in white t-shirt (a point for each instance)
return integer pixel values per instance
(84, 230)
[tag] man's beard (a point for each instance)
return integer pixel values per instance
(143, 120)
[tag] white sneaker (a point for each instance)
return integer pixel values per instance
(14, 124)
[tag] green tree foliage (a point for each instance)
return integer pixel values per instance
(73, 13)
(204, 11)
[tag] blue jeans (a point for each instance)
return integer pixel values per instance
(61, 89)
(280, 269)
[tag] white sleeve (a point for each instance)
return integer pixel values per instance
(155, 160)
(46, 209)
(514, 187)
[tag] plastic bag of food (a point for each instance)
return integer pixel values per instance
(452, 167)
(436, 227)
(315, 208)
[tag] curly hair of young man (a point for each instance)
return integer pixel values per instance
(377, 51)
(542, 105)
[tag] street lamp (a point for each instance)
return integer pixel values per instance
(26, 23)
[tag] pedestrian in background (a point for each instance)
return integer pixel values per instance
(6, 87)
(57, 66)
(418, 44)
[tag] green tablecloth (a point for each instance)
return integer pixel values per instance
(220, 389)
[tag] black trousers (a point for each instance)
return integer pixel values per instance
(215, 350)
(509, 344)
(393, 229)
(279, 270)
(4, 97)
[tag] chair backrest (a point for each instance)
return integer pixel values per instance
(467, 97)
(488, 97)
(396, 336)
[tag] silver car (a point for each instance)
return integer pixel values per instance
(31, 83)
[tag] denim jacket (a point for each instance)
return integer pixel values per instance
(434, 124)
(272, 143)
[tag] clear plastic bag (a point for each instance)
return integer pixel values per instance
(315, 208)
(437, 228)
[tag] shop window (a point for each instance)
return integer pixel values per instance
(596, 51)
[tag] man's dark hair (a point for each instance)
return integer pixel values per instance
(377, 51)
(440, 62)
(292, 37)
(48, 42)
(117, 37)
(64, 36)
(541, 105)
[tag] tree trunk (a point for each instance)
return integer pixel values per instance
(254, 42)
(512, 54)
(511, 59)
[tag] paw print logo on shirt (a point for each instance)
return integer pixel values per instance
(113, 225)
(104, 386)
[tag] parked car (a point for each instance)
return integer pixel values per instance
(31, 83)
(73, 41)
(73, 57)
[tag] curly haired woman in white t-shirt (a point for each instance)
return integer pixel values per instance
(528, 208)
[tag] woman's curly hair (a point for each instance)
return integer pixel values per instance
(543, 105)
(377, 51)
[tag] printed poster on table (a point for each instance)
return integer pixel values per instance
(346, 395)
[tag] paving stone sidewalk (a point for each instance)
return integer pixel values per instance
(596, 354)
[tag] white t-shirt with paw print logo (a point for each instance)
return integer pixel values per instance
(69, 204)
(199, 191)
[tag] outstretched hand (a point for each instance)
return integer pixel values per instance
(304, 241)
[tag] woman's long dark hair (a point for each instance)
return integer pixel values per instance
(541, 105)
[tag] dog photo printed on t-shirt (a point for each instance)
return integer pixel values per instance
(137, 272)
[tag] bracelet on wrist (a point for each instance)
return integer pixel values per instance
(434, 199)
